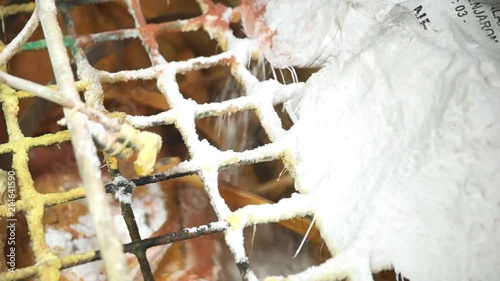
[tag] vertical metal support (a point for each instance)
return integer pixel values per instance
(85, 150)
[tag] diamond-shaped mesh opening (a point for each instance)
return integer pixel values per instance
(96, 18)
(170, 10)
(133, 98)
(237, 131)
(38, 117)
(273, 244)
(115, 56)
(207, 85)
(59, 217)
(37, 71)
(54, 168)
(180, 46)
(267, 180)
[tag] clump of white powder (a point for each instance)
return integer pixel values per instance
(398, 137)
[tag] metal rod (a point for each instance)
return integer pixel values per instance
(58, 98)
(85, 152)
(15, 45)
(165, 239)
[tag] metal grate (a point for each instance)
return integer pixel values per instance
(205, 160)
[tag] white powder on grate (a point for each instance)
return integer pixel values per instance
(149, 211)
(398, 136)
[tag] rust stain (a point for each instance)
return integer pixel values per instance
(213, 18)
(136, 7)
(252, 15)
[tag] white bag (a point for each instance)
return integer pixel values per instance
(480, 21)
(398, 134)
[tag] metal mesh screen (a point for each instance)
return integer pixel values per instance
(205, 160)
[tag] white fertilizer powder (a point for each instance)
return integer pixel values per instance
(398, 137)
(149, 211)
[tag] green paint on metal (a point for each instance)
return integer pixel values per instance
(69, 42)
(34, 45)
